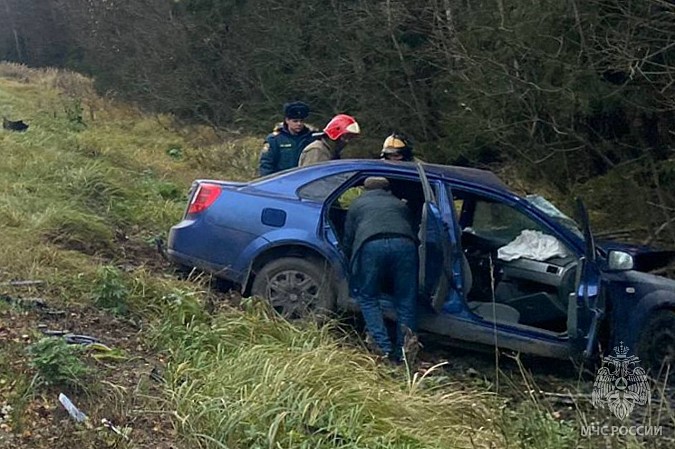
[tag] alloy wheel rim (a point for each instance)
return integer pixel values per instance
(292, 293)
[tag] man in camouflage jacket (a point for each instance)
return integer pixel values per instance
(329, 144)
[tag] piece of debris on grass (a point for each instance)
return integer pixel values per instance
(160, 245)
(14, 125)
(73, 411)
(26, 283)
(123, 432)
(156, 375)
(101, 352)
(77, 339)
(51, 333)
(24, 303)
(37, 304)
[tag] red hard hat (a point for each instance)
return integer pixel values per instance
(340, 125)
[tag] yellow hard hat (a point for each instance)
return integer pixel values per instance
(397, 143)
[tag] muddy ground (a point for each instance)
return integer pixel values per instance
(115, 393)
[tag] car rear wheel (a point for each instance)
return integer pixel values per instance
(657, 343)
(295, 287)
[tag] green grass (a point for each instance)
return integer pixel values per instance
(75, 188)
(58, 363)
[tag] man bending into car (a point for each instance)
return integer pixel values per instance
(380, 241)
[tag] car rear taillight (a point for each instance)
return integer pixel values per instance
(203, 198)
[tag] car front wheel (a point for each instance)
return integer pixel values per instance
(296, 287)
(657, 343)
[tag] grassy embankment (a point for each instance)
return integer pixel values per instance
(82, 194)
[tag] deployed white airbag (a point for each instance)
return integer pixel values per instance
(533, 245)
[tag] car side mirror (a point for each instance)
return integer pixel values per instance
(620, 260)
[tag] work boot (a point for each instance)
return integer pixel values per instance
(411, 345)
(373, 347)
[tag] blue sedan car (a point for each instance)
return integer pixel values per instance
(279, 237)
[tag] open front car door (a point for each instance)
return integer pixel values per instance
(434, 248)
(586, 307)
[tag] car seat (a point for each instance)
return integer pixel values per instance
(489, 311)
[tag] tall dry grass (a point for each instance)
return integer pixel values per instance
(254, 380)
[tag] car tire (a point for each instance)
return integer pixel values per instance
(657, 342)
(296, 287)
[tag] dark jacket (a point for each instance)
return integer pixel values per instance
(375, 212)
(282, 150)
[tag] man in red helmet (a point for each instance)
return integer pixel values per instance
(338, 132)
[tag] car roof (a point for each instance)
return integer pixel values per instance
(465, 175)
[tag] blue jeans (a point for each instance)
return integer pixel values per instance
(392, 262)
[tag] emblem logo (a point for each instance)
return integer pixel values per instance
(621, 383)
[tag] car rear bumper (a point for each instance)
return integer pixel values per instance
(217, 270)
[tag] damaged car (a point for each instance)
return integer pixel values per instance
(496, 268)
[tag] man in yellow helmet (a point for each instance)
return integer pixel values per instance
(397, 147)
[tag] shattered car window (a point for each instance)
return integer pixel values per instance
(552, 211)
